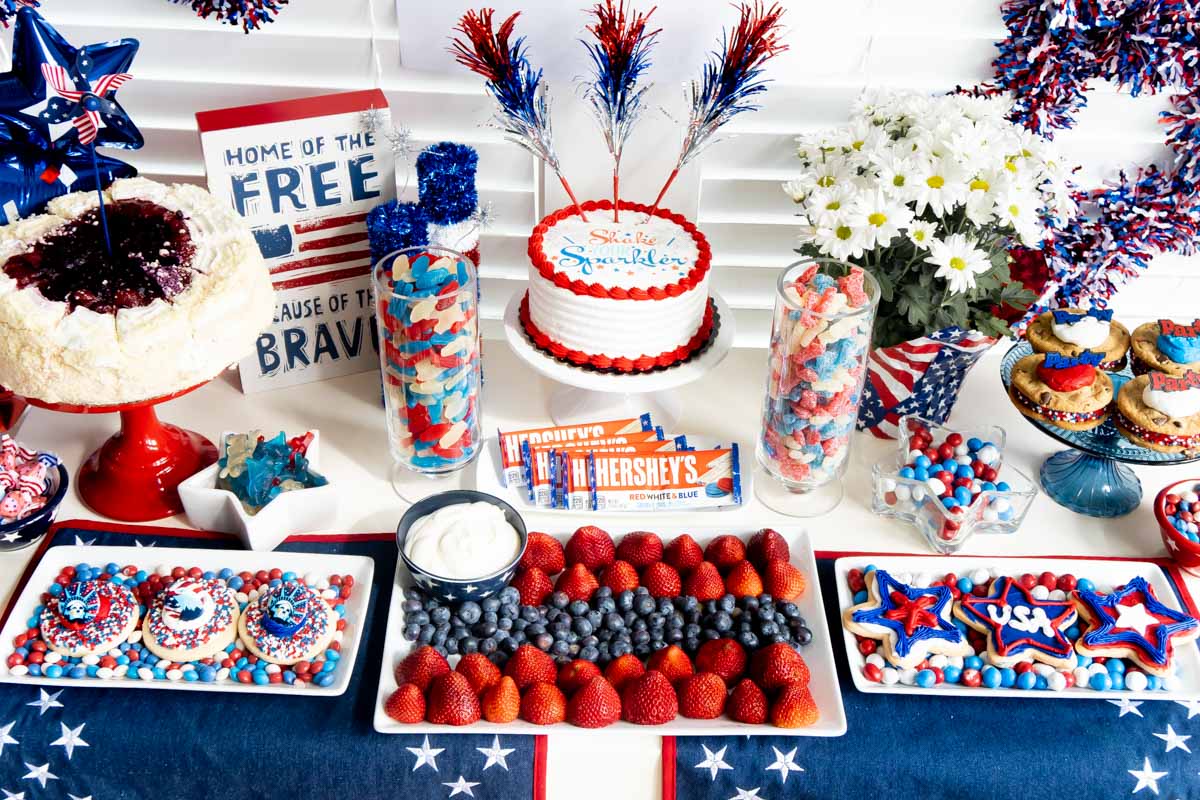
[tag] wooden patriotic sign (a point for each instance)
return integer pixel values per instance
(304, 173)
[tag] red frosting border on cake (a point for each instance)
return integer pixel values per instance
(640, 364)
(687, 283)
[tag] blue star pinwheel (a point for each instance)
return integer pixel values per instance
(1132, 622)
(1019, 626)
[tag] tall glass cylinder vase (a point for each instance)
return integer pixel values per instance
(427, 310)
(820, 338)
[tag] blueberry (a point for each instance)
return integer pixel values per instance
(510, 596)
(544, 641)
(780, 619)
(630, 617)
(469, 645)
(484, 629)
(619, 648)
(441, 649)
(560, 648)
(572, 638)
(690, 604)
(606, 604)
(691, 644)
(589, 653)
(655, 620)
(765, 599)
(514, 640)
(510, 644)
(491, 616)
(644, 605)
(710, 634)
(412, 605)
(588, 641)
(625, 600)
(411, 631)
(559, 628)
(559, 600)
(419, 617)
(603, 591)
(727, 603)
(583, 627)
(594, 617)
(578, 607)
(529, 613)
(766, 613)
(458, 632)
(641, 651)
(748, 640)
(674, 636)
(665, 605)
(509, 612)
(505, 624)
(451, 646)
(640, 638)
(487, 646)
(500, 635)
(790, 610)
(470, 612)
(439, 638)
(768, 629)
(613, 621)
(491, 605)
(519, 625)
(710, 606)
(413, 593)
(535, 629)
(641, 591)
(779, 639)
(803, 635)
(639, 624)
(440, 615)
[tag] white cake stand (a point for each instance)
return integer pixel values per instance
(587, 395)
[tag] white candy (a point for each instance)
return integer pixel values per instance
(120, 670)
(330, 594)
(938, 660)
(962, 450)
(980, 576)
(922, 579)
(1172, 683)
(1081, 676)
(918, 494)
(903, 492)
(1097, 669)
(890, 676)
(252, 595)
(115, 652)
(164, 571)
(1045, 670)
(956, 661)
(337, 637)
(988, 454)
(903, 577)
(164, 664)
(321, 585)
(1058, 594)
(1136, 681)
(1056, 681)
(912, 456)
(877, 660)
(311, 578)
(273, 668)
(174, 674)
(242, 597)
(964, 460)
(990, 515)
(936, 486)
(52, 657)
(908, 677)
(19, 669)
(223, 673)
(91, 660)
(1001, 505)
(145, 673)
(136, 636)
(887, 485)
(1040, 592)
(1189, 496)
(104, 673)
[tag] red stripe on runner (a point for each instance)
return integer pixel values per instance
(540, 745)
(668, 768)
(321, 261)
(333, 241)
(325, 223)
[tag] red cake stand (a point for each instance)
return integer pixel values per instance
(135, 475)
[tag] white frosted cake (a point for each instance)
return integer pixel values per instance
(185, 294)
(629, 296)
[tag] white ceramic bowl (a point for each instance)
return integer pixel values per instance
(299, 511)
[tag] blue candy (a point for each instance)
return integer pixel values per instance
(991, 677)
(1026, 680)
(973, 662)
(1008, 677)
(1100, 681)
(951, 673)
(926, 679)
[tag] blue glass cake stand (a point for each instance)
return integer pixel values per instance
(1092, 477)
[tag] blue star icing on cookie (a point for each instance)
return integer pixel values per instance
(920, 617)
(1180, 343)
(1017, 623)
(1111, 622)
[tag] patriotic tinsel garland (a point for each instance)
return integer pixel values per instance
(1053, 50)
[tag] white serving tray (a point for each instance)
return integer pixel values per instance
(1106, 574)
(818, 654)
(149, 559)
(487, 479)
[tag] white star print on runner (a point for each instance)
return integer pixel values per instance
(496, 755)
(786, 764)
(713, 762)
(1174, 740)
(13, 795)
(461, 786)
(747, 794)
(70, 739)
(77, 797)
(1147, 778)
(1193, 707)
(138, 543)
(46, 701)
(425, 755)
(79, 540)
(40, 774)
(5, 738)
(1127, 706)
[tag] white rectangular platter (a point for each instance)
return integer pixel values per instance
(487, 479)
(1104, 574)
(151, 559)
(818, 654)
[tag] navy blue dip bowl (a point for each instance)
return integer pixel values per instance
(21, 533)
(454, 589)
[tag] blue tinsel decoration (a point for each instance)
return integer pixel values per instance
(394, 226)
(250, 14)
(446, 182)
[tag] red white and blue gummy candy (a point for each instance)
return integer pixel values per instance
(956, 470)
(151, 259)
(274, 466)
(133, 661)
(1099, 674)
(1183, 511)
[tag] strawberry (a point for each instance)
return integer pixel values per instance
(534, 585)
(481, 672)
(543, 704)
(619, 576)
(406, 704)
(672, 662)
(702, 696)
(784, 581)
(577, 582)
(649, 700)
(595, 705)
(544, 552)
(767, 546)
(529, 665)
(575, 674)
(502, 702)
(743, 581)
(794, 707)
(640, 548)
(704, 582)
(421, 666)
(725, 657)
(747, 703)
(683, 553)
(623, 669)
(452, 700)
(725, 551)
(591, 547)
(776, 665)
(662, 580)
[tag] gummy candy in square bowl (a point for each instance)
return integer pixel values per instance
(964, 492)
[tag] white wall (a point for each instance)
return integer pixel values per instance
(837, 48)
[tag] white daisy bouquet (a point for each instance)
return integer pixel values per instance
(928, 194)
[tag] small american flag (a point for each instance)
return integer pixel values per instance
(294, 250)
(921, 376)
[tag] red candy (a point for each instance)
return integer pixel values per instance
(1028, 580)
(971, 677)
(873, 673)
(1048, 579)
(954, 439)
(1067, 582)
(866, 646)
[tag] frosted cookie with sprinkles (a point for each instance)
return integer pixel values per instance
(287, 624)
(88, 618)
(193, 618)
(1066, 391)
(1073, 331)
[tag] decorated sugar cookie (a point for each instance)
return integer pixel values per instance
(911, 623)
(1020, 627)
(88, 618)
(1072, 331)
(1132, 623)
(1066, 391)
(287, 624)
(1166, 346)
(193, 618)
(1161, 411)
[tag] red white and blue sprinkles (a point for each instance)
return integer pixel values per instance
(132, 660)
(191, 613)
(87, 615)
